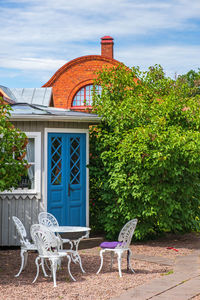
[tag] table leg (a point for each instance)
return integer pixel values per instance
(76, 257)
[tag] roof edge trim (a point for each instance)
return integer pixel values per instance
(54, 118)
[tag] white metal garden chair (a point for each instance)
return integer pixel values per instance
(122, 245)
(48, 245)
(26, 245)
(47, 219)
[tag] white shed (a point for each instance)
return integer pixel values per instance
(58, 152)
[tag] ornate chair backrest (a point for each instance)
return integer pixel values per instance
(126, 233)
(21, 231)
(45, 240)
(47, 219)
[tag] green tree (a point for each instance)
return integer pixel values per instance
(145, 153)
(12, 151)
(192, 80)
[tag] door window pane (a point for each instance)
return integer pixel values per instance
(56, 160)
(75, 160)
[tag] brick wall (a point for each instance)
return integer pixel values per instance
(74, 75)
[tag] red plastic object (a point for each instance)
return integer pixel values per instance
(172, 249)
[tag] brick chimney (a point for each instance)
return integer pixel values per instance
(107, 46)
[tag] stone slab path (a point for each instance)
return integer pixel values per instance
(183, 284)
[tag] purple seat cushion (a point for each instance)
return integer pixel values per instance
(110, 245)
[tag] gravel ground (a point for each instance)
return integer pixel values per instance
(90, 286)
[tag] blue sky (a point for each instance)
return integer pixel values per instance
(39, 36)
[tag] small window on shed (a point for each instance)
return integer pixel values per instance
(84, 96)
(28, 182)
(32, 182)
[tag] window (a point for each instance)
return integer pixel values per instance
(31, 182)
(84, 95)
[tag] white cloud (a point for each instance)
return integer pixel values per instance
(42, 35)
(41, 64)
(49, 22)
(174, 59)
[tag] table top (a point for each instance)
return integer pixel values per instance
(69, 228)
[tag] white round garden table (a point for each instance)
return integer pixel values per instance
(75, 242)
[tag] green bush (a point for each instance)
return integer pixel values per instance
(12, 151)
(145, 153)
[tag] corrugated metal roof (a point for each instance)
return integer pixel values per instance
(33, 104)
(38, 96)
(28, 109)
(24, 111)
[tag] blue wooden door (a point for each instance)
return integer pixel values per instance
(66, 190)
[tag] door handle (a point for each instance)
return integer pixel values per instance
(68, 189)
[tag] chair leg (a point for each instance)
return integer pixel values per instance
(59, 263)
(43, 268)
(69, 262)
(38, 267)
(25, 259)
(53, 270)
(111, 259)
(101, 265)
(22, 262)
(46, 263)
(119, 262)
(129, 254)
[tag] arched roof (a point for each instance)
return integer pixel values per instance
(78, 61)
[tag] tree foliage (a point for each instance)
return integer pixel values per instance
(12, 151)
(145, 153)
(192, 79)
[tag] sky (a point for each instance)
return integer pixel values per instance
(37, 37)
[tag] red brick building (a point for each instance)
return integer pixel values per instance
(73, 83)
